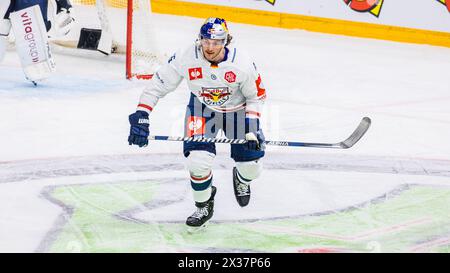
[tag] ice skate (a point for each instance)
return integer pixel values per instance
(241, 190)
(203, 213)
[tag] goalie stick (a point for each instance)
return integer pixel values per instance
(349, 142)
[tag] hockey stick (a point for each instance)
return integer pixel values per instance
(349, 142)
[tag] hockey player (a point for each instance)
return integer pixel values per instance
(227, 95)
(28, 19)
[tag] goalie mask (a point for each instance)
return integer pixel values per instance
(215, 29)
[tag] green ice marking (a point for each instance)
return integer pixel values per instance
(417, 219)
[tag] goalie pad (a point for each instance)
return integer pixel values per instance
(2, 48)
(5, 27)
(5, 24)
(32, 43)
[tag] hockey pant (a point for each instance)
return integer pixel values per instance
(202, 121)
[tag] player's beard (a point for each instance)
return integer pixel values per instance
(212, 56)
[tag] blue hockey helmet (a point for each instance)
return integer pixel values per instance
(214, 28)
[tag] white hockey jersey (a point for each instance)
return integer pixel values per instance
(229, 86)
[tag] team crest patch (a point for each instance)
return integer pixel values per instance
(215, 96)
(195, 73)
(230, 77)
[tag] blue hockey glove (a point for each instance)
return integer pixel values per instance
(254, 135)
(139, 130)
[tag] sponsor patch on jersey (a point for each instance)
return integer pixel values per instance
(216, 96)
(260, 87)
(195, 73)
(230, 77)
(213, 77)
(195, 126)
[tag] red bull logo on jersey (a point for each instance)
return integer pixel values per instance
(215, 96)
(445, 3)
(371, 6)
(230, 77)
(195, 73)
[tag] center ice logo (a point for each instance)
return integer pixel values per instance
(371, 6)
(215, 96)
(446, 3)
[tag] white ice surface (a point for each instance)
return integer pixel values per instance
(319, 87)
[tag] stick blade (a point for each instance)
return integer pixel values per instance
(357, 134)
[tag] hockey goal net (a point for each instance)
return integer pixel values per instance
(128, 25)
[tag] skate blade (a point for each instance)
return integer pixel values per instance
(194, 230)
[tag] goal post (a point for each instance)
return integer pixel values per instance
(126, 27)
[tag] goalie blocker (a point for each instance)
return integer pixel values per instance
(32, 43)
(95, 39)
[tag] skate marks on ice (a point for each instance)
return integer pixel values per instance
(393, 222)
(93, 219)
(147, 215)
(409, 218)
(28, 170)
(98, 208)
(14, 86)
